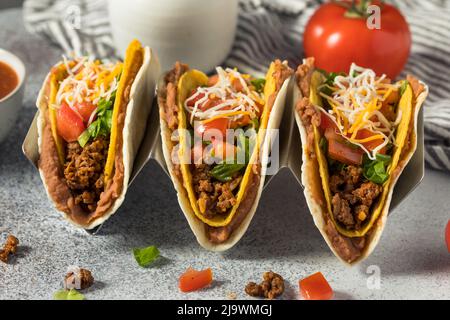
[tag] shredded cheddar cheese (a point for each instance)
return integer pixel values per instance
(232, 103)
(87, 81)
(356, 102)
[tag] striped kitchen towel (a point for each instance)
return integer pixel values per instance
(274, 28)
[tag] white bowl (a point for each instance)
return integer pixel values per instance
(197, 32)
(11, 104)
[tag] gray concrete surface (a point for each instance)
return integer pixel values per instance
(411, 256)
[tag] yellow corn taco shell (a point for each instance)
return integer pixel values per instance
(173, 89)
(315, 178)
(132, 105)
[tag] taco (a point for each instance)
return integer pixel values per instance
(358, 132)
(218, 193)
(92, 117)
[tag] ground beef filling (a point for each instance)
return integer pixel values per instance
(214, 197)
(352, 197)
(83, 171)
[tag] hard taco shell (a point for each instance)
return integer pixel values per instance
(312, 178)
(134, 99)
(250, 188)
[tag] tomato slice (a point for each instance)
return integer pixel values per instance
(447, 235)
(315, 287)
(85, 109)
(220, 124)
(340, 151)
(193, 280)
(69, 124)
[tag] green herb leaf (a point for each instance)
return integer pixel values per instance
(375, 170)
(259, 84)
(146, 256)
(224, 172)
(71, 294)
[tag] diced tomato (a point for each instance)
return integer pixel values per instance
(241, 122)
(315, 287)
(192, 102)
(85, 109)
(193, 280)
(344, 153)
(340, 151)
(212, 103)
(326, 122)
(213, 80)
(237, 85)
(69, 124)
(370, 145)
(220, 124)
(447, 235)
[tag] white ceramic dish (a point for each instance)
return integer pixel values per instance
(11, 104)
(197, 32)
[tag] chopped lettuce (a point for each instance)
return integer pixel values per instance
(259, 84)
(102, 125)
(146, 256)
(376, 170)
(71, 294)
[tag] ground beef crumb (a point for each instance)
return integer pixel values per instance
(9, 248)
(214, 197)
(352, 196)
(271, 287)
(83, 171)
(79, 279)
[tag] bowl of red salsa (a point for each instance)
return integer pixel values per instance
(12, 76)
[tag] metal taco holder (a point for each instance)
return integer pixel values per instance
(290, 150)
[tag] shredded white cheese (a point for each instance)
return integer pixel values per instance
(234, 104)
(356, 101)
(87, 81)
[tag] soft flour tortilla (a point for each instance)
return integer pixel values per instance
(141, 94)
(312, 182)
(197, 226)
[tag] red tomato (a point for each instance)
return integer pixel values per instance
(193, 280)
(237, 85)
(338, 150)
(85, 109)
(326, 122)
(336, 40)
(220, 124)
(213, 80)
(69, 124)
(192, 102)
(447, 235)
(315, 287)
(370, 145)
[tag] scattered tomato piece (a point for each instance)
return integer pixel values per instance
(315, 287)
(447, 235)
(193, 280)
